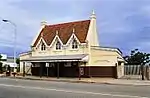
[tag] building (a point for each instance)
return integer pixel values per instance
(8, 61)
(3, 57)
(71, 50)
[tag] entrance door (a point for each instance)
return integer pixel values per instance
(69, 69)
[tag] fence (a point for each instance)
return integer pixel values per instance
(132, 70)
(135, 72)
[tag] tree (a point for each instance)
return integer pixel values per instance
(17, 60)
(138, 58)
(18, 64)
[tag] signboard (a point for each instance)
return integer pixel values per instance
(81, 71)
(68, 64)
(47, 64)
(4, 56)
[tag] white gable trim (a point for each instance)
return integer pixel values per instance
(41, 39)
(73, 35)
(37, 35)
(56, 36)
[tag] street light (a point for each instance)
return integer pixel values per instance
(15, 31)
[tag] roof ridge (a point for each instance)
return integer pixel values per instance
(67, 22)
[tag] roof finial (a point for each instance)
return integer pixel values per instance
(73, 30)
(93, 12)
(93, 15)
(56, 32)
(43, 23)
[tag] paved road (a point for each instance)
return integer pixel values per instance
(15, 88)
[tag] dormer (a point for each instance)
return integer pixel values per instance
(56, 42)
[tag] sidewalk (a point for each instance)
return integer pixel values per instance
(65, 79)
(109, 81)
(129, 82)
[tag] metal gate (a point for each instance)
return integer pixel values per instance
(132, 71)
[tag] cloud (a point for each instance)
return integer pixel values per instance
(121, 23)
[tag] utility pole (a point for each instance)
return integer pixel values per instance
(15, 37)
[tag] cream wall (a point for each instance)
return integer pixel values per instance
(66, 50)
(27, 65)
(100, 57)
(25, 56)
(120, 70)
(21, 67)
(103, 57)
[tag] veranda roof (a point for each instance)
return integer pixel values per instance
(58, 58)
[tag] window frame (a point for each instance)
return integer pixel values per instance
(43, 47)
(58, 45)
(74, 44)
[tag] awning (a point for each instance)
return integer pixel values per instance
(58, 58)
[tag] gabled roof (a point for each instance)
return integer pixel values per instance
(65, 31)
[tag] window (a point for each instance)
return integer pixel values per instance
(58, 45)
(43, 47)
(74, 44)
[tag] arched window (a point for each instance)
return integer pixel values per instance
(43, 47)
(58, 45)
(74, 44)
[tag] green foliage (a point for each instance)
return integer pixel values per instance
(137, 58)
(18, 63)
(17, 60)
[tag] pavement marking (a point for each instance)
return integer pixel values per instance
(73, 91)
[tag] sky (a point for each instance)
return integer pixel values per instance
(124, 24)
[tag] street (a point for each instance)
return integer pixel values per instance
(16, 88)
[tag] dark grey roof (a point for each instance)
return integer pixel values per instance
(102, 47)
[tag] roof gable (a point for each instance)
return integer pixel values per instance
(65, 31)
(41, 40)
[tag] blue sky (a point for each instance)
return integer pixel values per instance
(121, 23)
